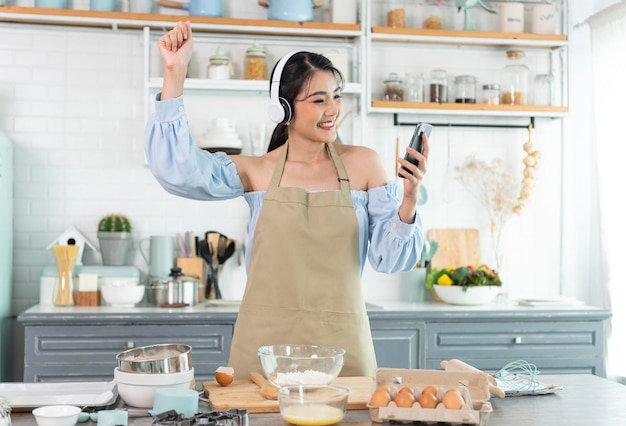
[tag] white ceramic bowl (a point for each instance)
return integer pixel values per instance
(137, 389)
(313, 405)
(286, 365)
(122, 295)
(455, 295)
(56, 415)
(118, 281)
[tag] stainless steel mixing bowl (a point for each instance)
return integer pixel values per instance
(163, 358)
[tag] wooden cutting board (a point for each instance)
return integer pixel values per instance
(246, 394)
(457, 247)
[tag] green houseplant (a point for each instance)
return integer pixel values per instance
(116, 239)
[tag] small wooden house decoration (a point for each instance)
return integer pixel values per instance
(73, 235)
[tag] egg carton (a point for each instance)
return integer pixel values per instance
(473, 386)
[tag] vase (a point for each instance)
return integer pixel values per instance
(412, 286)
(457, 295)
(114, 247)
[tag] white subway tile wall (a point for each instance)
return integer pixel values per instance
(72, 101)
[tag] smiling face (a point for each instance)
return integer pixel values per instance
(316, 109)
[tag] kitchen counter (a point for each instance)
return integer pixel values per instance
(584, 400)
(82, 342)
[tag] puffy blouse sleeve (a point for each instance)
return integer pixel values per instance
(395, 246)
(179, 165)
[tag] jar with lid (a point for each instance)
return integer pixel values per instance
(438, 86)
(491, 94)
(465, 89)
(219, 67)
(515, 79)
(393, 90)
(543, 90)
(255, 64)
(414, 89)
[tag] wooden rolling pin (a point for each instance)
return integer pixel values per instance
(458, 365)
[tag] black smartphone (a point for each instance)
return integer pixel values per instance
(417, 143)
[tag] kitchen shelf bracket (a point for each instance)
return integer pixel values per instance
(397, 122)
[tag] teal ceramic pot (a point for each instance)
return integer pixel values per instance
(102, 5)
(52, 4)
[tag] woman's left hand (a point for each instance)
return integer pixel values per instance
(412, 180)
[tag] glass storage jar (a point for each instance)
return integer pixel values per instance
(393, 88)
(414, 88)
(515, 79)
(491, 94)
(543, 89)
(465, 89)
(219, 67)
(438, 86)
(256, 63)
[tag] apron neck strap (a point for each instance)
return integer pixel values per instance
(330, 148)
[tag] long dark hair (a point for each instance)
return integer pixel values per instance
(298, 70)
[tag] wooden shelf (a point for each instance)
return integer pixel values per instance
(235, 85)
(468, 109)
(418, 35)
(88, 18)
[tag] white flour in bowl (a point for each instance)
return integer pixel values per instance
(307, 377)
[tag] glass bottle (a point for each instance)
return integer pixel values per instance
(438, 86)
(465, 89)
(543, 90)
(414, 88)
(219, 67)
(256, 64)
(515, 79)
(393, 90)
(491, 94)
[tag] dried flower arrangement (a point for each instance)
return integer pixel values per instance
(498, 190)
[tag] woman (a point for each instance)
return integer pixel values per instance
(318, 209)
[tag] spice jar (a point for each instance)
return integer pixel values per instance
(465, 89)
(414, 88)
(491, 94)
(256, 65)
(438, 86)
(393, 88)
(219, 67)
(396, 17)
(515, 79)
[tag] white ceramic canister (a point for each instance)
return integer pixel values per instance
(343, 11)
(512, 17)
(543, 19)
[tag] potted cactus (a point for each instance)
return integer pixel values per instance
(115, 237)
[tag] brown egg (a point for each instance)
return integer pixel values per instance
(428, 400)
(380, 397)
(404, 399)
(407, 389)
(224, 375)
(432, 389)
(453, 400)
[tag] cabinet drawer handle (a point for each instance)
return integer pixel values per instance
(130, 344)
(517, 340)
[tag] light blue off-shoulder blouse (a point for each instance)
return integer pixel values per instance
(185, 170)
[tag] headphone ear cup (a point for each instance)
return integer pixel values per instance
(287, 113)
(276, 112)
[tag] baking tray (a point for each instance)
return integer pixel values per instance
(26, 396)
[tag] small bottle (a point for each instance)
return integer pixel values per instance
(414, 88)
(491, 94)
(515, 79)
(219, 67)
(465, 89)
(438, 86)
(393, 88)
(256, 64)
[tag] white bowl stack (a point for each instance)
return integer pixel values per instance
(121, 292)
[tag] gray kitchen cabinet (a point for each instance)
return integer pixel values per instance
(78, 344)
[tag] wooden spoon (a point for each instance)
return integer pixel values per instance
(268, 390)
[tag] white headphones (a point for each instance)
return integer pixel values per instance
(279, 109)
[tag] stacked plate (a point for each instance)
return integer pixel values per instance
(221, 136)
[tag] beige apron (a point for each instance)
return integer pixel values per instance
(304, 277)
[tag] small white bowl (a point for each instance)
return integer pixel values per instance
(122, 296)
(137, 389)
(455, 294)
(56, 415)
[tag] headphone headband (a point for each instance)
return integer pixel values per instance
(279, 109)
